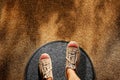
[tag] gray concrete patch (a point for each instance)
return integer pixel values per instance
(57, 51)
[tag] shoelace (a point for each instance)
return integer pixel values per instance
(72, 56)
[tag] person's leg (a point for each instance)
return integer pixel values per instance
(49, 78)
(45, 67)
(71, 75)
(72, 58)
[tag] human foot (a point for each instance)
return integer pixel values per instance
(72, 59)
(45, 66)
(72, 55)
